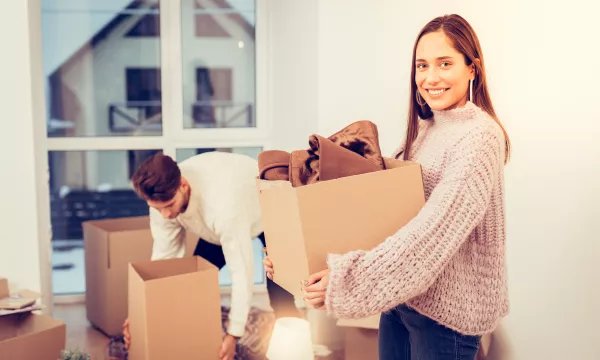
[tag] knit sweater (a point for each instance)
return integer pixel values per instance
(448, 263)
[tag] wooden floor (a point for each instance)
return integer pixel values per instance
(80, 334)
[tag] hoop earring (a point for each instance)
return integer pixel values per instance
(471, 90)
(422, 101)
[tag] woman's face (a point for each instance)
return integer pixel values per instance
(441, 75)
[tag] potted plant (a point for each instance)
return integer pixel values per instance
(75, 355)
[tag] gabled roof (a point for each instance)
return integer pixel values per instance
(52, 66)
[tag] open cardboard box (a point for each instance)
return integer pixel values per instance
(361, 341)
(304, 224)
(25, 335)
(110, 245)
(174, 310)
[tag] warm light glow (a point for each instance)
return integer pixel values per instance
(291, 340)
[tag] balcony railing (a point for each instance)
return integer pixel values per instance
(147, 115)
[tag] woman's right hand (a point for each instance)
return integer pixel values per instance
(268, 265)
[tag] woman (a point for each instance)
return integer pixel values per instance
(439, 281)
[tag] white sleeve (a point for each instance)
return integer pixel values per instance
(236, 240)
(168, 235)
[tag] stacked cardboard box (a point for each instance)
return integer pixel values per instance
(25, 335)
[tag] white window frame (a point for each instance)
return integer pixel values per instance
(174, 136)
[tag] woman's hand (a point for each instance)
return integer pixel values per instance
(268, 265)
(315, 289)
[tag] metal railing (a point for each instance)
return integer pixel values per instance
(147, 115)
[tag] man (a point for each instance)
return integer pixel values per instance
(214, 196)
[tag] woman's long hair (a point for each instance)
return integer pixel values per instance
(465, 41)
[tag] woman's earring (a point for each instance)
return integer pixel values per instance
(471, 90)
(420, 99)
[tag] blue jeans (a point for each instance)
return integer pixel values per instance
(405, 334)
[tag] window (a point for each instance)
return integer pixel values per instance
(86, 185)
(218, 64)
(110, 106)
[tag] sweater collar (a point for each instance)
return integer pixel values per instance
(465, 112)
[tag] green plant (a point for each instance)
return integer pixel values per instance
(75, 355)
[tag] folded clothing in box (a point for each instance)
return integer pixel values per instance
(353, 150)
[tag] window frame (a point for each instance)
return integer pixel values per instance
(174, 135)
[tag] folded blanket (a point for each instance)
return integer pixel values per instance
(353, 150)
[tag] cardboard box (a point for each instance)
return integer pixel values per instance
(303, 224)
(27, 336)
(174, 310)
(109, 247)
(361, 338)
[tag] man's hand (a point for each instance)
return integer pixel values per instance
(268, 265)
(316, 289)
(126, 334)
(228, 348)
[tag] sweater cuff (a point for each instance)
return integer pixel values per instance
(236, 328)
(334, 288)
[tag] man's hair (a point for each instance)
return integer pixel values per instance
(157, 178)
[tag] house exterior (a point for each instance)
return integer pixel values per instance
(103, 71)
(110, 84)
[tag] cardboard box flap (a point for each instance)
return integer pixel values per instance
(121, 224)
(371, 322)
(107, 231)
(152, 270)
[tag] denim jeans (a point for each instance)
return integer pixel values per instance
(405, 334)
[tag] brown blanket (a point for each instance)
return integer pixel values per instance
(351, 151)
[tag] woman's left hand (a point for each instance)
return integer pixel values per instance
(315, 289)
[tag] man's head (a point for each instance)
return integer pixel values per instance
(158, 180)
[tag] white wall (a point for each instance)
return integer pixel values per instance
(24, 245)
(541, 61)
(293, 72)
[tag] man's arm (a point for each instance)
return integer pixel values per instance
(236, 241)
(168, 235)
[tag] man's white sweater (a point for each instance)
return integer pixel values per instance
(223, 209)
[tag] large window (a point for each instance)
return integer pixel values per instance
(217, 63)
(126, 79)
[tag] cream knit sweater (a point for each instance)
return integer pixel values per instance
(448, 263)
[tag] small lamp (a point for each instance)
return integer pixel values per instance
(291, 340)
